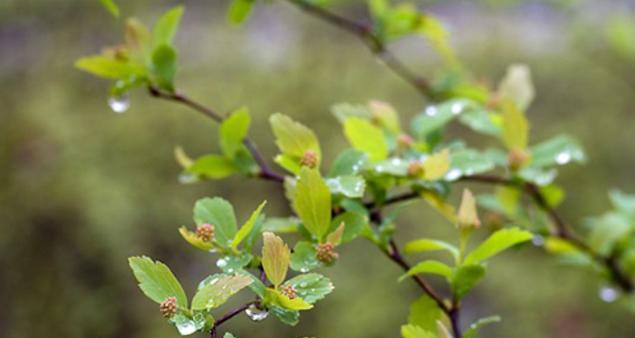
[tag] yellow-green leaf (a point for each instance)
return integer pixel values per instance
(436, 165)
(516, 86)
(295, 304)
(312, 202)
(233, 131)
(468, 217)
(165, 28)
(194, 240)
(293, 138)
(218, 292)
(275, 258)
(111, 6)
(157, 281)
(108, 68)
(515, 127)
(497, 242)
(248, 226)
(366, 137)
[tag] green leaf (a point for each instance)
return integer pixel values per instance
(233, 131)
(157, 281)
(216, 293)
(436, 165)
(424, 313)
(288, 317)
(194, 240)
(434, 118)
(608, 229)
(275, 258)
(425, 244)
(220, 213)
(108, 68)
(164, 66)
(429, 267)
(354, 224)
(414, 331)
(293, 138)
(303, 258)
(476, 326)
(465, 278)
(281, 225)
(311, 286)
(234, 262)
(239, 10)
(349, 162)
(138, 41)
(515, 128)
(312, 202)
(623, 203)
(248, 226)
(273, 296)
(166, 27)
(559, 150)
(111, 6)
(228, 335)
(497, 242)
(366, 137)
(213, 166)
(289, 163)
(349, 186)
(517, 87)
(468, 162)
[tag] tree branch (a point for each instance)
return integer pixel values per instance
(372, 41)
(229, 315)
(265, 171)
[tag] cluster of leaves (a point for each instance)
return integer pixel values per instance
(335, 205)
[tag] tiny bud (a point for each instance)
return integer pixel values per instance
(415, 168)
(325, 253)
(517, 158)
(205, 232)
(168, 307)
(405, 140)
(289, 291)
(309, 159)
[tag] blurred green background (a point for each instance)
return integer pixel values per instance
(82, 188)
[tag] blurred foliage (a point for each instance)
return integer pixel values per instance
(81, 188)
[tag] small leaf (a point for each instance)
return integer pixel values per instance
(228, 335)
(288, 317)
(293, 138)
(164, 66)
(239, 10)
(248, 226)
(425, 244)
(349, 186)
(517, 87)
(354, 225)
(312, 202)
(559, 150)
(430, 267)
(304, 258)
(335, 237)
(275, 258)
(111, 6)
(311, 287)
(366, 137)
(108, 68)
(349, 162)
(296, 304)
(497, 242)
(386, 115)
(515, 128)
(167, 25)
(468, 217)
(157, 281)
(414, 331)
(436, 165)
(233, 131)
(218, 292)
(476, 326)
(424, 312)
(212, 166)
(220, 213)
(465, 278)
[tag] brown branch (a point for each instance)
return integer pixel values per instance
(229, 315)
(374, 43)
(265, 171)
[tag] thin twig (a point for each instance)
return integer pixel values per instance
(229, 315)
(265, 171)
(374, 43)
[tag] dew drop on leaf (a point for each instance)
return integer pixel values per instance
(608, 294)
(538, 240)
(119, 104)
(186, 328)
(563, 158)
(221, 263)
(256, 314)
(431, 111)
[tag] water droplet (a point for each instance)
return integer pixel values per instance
(119, 104)
(608, 294)
(563, 158)
(221, 263)
(538, 240)
(255, 313)
(303, 285)
(431, 111)
(187, 178)
(186, 328)
(304, 269)
(457, 108)
(453, 174)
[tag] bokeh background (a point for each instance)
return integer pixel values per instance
(82, 188)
